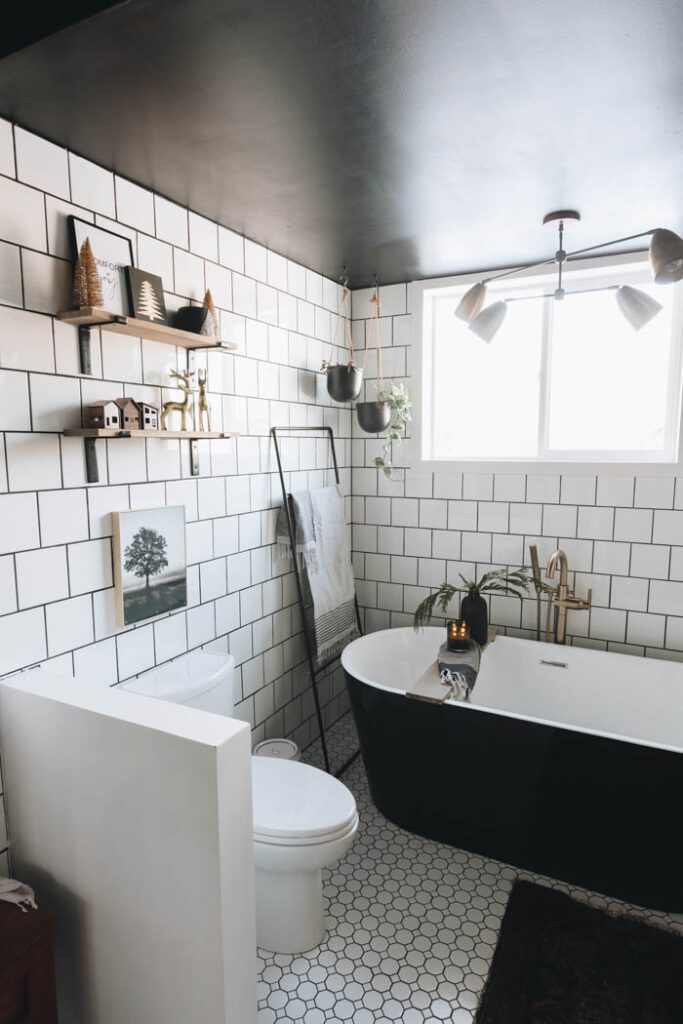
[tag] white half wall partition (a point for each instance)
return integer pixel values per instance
(132, 819)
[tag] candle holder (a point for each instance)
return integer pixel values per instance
(457, 635)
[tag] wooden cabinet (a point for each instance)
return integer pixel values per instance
(27, 971)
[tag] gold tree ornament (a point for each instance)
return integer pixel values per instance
(87, 287)
(213, 313)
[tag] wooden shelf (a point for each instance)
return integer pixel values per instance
(182, 435)
(91, 435)
(92, 317)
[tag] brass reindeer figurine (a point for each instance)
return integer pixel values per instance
(203, 406)
(183, 407)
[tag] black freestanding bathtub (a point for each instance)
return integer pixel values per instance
(567, 762)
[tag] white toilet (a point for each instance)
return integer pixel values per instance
(304, 819)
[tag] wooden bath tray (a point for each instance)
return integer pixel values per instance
(429, 686)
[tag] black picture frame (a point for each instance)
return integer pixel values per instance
(146, 295)
(113, 253)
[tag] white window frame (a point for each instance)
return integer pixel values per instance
(642, 463)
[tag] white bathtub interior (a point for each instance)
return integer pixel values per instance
(608, 694)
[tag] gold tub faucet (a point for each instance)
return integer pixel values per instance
(564, 599)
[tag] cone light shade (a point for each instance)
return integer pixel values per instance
(471, 303)
(638, 307)
(487, 323)
(666, 256)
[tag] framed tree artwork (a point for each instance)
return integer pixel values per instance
(150, 568)
(112, 254)
(146, 295)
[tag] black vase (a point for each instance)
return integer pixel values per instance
(475, 612)
(344, 382)
(373, 417)
(190, 318)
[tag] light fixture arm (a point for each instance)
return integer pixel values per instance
(567, 256)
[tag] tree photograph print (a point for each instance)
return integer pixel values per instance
(149, 563)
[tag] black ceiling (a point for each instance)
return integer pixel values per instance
(411, 138)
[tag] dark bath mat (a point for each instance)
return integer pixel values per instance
(560, 962)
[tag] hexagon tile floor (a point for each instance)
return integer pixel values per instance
(412, 926)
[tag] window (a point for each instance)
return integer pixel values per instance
(567, 381)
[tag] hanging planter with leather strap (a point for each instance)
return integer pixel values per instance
(374, 417)
(344, 380)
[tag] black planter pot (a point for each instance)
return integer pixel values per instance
(475, 611)
(373, 417)
(191, 318)
(344, 382)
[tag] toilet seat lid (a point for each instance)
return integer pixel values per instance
(292, 799)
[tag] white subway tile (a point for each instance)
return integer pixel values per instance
(134, 205)
(477, 486)
(219, 282)
(213, 579)
(393, 299)
(543, 488)
(33, 462)
(647, 630)
(55, 402)
(607, 624)
(6, 149)
(15, 411)
(629, 593)
(171, 222)
(433, 513)
(11, 293)
(69, 624)
(462, 515)
(22, 215)
(633, 524)
(189, 275)
(493, 516)
(126, 460)
(676, 565)
(668, 528)
(417, 542)
(418, 484)
(666, 597)
(255, 260)
(559, 520)
(674, 633)
(403, 569)
(25, 340)
(8, 587)
(287, 315)
(90, 566)
(63, 516)
(448, 485)
(476, 547)
(611, 557)
(41, 164)
(431, 572)
(580, 554)
(199, 540)
(314, 288)
(211, 498)
(276, 271)
(22, 640)
(404, 511)
(47, 282)
(390, 540)
(650, 560)
(96, 664)
(616, 490)
(92, 186)
(102, 501)
(525, 518)
(243, 295)
(654, 492)
(156, 257)
(508, 549)
(596, 522)
(135, 650)
(505, 611)
(446, 544)
(42, 576)
(509, 487)
(578, 490)
(231, 249)
(203, 237)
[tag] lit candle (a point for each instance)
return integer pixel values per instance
(457, 634)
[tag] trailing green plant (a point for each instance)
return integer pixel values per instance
(498, 581)
(396, 396)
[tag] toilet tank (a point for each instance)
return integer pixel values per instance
(201, 679)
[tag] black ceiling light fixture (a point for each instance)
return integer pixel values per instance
(666, 259)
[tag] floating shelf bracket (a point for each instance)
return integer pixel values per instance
(91, 435)
(85, 342)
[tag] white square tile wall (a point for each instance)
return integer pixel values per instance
(623, 534)
(56, 593)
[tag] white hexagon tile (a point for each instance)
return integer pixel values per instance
(412, 926)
